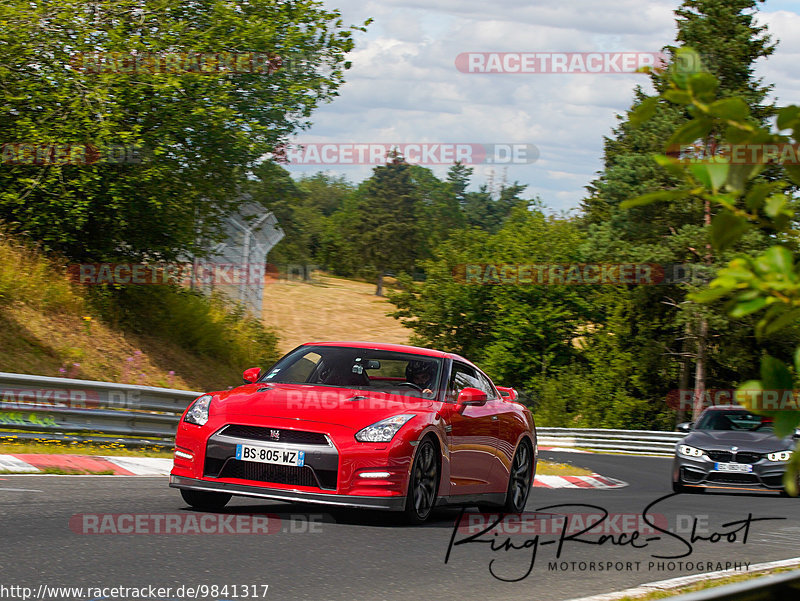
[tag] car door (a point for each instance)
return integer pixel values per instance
(471, 432)
(509, 424)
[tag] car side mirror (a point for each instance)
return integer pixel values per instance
(251, 375)
(508, 394)
(471, 396)
(685, 427)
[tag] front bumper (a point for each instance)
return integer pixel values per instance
(394, 503)
(336, 467)
(700, 472)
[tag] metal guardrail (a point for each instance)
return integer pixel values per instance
(651, 442)
(84, 410)
(779, 587)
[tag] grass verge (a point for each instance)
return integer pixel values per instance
(550, 468)
(67, 448)
(58, 471)
(151, 335)
(704, 584)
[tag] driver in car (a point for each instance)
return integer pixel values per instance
(421, 374)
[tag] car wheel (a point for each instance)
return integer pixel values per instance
(519, 480)
(678, 487)
(423, 484)
(202, 499)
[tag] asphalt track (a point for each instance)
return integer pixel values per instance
(320, 554)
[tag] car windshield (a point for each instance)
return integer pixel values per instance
(360, 368)
(733, 420)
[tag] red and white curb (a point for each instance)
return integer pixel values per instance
(34, 463)
(563, 450)
(160, 466)
(593, 481)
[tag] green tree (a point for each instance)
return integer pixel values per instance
(200, 132)
(521, 334)
(387, 229)
(767, 285)
(440, 212)
(685, 345)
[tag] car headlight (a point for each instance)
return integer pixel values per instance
(779, 456)
(198, 412)
(685, 449)
(384, 430)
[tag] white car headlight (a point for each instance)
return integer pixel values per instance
(685, 449)
(198, 412)
(779, 456)
(384, 430)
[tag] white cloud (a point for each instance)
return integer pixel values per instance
(404, 85)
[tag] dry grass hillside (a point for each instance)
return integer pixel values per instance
(49, 328)
(329, 308)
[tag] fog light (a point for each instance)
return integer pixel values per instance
(375, 474)
(183, 455)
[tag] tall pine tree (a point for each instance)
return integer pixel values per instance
(668, 337)
(386, 230)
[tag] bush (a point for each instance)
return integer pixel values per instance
(573, 398)
(27, 276)
(210, 326)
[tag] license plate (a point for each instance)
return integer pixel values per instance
(733, 467)
(274, 455)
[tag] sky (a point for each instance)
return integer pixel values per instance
(406, 87)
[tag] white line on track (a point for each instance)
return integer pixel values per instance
(674, 583)
(2, 488)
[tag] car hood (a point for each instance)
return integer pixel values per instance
(349, 407)
(746, 441)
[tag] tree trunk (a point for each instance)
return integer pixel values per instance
(700, 370)
(379, 288)
(702, 334)
(683, 380)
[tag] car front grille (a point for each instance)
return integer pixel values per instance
(732, 478)
(736, 457)
(266, 472)
(773, 481)
(267, 434)
(747, 457)
(692, 476)
(725, 456)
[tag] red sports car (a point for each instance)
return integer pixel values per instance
(360, 424)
